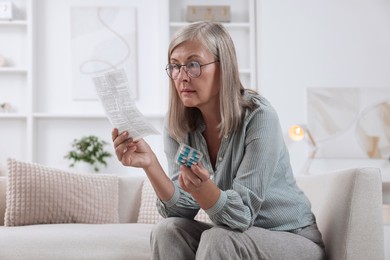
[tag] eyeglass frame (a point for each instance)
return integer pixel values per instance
(186, 70)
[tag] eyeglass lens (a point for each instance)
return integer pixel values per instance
(192, 68)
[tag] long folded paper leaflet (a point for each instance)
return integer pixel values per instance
(119, 104)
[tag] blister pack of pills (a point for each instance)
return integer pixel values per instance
(186, 155)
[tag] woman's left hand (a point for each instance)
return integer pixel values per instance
(192, 179)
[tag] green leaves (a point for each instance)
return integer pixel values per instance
(89, 149)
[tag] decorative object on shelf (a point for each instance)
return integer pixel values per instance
(90, 150)
(2, 61)
(6, 10)
(299, 132)
(5, 107)
(218, 13)
(102, 39)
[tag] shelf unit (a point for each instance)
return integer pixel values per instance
(242, 29)
(36, 81)
(16, 37)
(13, 71)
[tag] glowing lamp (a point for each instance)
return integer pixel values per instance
(296, 133)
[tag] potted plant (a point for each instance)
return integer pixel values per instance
(90, 150)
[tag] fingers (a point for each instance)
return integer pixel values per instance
(189, 176)
(119, 139)
(181, 182)
(122, 145)
(186, 184)
(114, 133)
(132, 153)
(125, 157)
(200, 172)
(192, 179)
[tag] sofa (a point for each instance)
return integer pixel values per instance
(347, 204)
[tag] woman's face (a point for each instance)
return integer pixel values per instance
(203, 91)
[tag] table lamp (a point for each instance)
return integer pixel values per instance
(299, 132)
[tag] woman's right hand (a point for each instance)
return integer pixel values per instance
(132, 153)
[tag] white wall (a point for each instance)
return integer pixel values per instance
(333, 43)
(53, 91)
(53, 59)
(302, 43)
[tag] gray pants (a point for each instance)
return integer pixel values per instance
(184, 239)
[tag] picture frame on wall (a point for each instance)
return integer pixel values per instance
(102, 39)
(350, 122)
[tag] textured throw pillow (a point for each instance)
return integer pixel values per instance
(41, 195)
(148, 213)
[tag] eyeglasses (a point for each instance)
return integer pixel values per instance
(192, 68)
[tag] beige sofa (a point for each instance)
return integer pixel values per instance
(347, 203)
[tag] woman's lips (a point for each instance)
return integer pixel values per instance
(187, 91)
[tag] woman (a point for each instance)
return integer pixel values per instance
(244, 181)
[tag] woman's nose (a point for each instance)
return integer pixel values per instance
(183, 74)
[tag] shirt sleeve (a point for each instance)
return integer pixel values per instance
(181, 204)
(238, 207)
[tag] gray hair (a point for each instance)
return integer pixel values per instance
(181, 119)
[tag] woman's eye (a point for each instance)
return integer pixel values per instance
(193, 64)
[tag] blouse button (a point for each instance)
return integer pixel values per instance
(220, 158)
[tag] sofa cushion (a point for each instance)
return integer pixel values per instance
(148, 213)
(37, 194)
(130, 187)
(3, 187)
(76, 241)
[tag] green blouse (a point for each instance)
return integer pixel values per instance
(253, 171)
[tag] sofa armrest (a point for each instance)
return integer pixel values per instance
(348, 207)
(3, 186)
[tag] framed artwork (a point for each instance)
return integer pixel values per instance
(102, 39)
(350, 122)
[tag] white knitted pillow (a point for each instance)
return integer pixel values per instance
(148, 213)
(41, 195)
